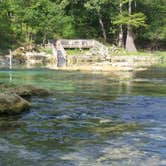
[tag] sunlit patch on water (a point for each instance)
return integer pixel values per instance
(91, 119)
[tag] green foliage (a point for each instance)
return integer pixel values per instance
(95, 5)
(76, 51)
(31, 21)
(136, 20)
(47, 50)
(155, 12)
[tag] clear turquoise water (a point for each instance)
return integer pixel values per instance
(92, 119)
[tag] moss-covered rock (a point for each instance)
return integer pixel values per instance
(24, 91)
(29, 91)
(12, 104)
(13, 97)
(118, 128)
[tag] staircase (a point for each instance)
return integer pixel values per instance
(99, 48)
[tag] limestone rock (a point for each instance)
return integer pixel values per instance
(12, 104)
(24, 91)
(29, 91)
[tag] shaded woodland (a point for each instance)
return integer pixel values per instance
(132, 24)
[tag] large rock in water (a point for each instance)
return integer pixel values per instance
(12, 104)
(13, 97)
(25, 90)
(29, 91)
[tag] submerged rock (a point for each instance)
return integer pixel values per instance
(29, 91)
(118, 128)
(12, 104)
(13, 97)
(24, 91)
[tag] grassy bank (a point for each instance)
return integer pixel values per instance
(119, 52)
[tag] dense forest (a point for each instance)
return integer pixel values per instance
(125, 23)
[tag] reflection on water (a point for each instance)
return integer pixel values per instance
(92, 119)
(10, 76)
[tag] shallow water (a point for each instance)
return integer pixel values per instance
(99, 119)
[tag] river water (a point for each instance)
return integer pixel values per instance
(92, 119)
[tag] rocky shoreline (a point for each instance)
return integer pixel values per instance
(15, 99)
(92, 59)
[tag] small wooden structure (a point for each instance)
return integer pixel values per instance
(77, 43)
(58, 48)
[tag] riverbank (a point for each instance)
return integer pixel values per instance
(95, 67)
(87, 60)
(113, 63)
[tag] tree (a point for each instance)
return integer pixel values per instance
(121, 36)
(130, 45)
(27, 21)
(131, 21)
(155, 33)
(96, 6)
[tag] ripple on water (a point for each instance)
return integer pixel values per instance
(89, 120)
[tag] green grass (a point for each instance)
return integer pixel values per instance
(123, 52)
(118, 51)
(160, 53)
(46, 50)
(76, 51)
(68, 51)
(139, 53)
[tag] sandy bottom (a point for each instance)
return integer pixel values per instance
(105, 68)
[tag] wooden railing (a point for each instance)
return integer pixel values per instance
(77, 43)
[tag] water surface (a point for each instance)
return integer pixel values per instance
(99, 119)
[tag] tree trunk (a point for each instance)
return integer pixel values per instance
(21, 25)
(44, 38)
(120, 37)
(27, 33)
(130, 45)
(102, 28)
